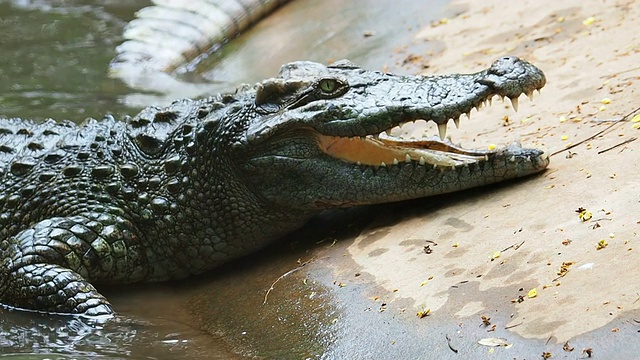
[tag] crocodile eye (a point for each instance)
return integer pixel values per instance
(328, 85)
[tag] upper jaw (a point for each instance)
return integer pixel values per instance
(381, 142)
(432, 98)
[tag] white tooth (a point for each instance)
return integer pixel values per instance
(512, 159)
(383, 164)
(435, 166)
(490, 101)
(456, 121)
(514, 103)
(442, 130)
(358, 163)
(486, 158)
(530, 95)
(422, 161)
(407, 158)
(395, 161)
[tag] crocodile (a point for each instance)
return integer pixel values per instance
(178, 190)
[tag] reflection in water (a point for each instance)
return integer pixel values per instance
(35, 333)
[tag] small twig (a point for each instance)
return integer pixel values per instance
(266, 296)
(620, 144)
(609, 76)
(514, 246)
(449, 343)
(560, 277)
(512, 326)
(597, 134)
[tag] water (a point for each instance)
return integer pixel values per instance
(54, 64)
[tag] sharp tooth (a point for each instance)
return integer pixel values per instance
(442, 130)
(422, 161)
(407, 158)
(512, 158)
(486, 158)
(358, 163)
(514, 103)
(480, 105)
(456, 121)
(395, 161)
(490, 101)
(383, 164)
(530, 95)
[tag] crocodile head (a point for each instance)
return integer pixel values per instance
(324, 135)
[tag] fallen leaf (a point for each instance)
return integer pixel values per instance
(494, 342)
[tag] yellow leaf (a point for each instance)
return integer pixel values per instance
(602, 244)
(636, 119)
(606, 101)
(585, 215)
(588, 21)
(532, 293)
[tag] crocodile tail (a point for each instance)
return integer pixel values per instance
(172, 33)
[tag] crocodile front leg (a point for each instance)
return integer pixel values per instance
(48, 266)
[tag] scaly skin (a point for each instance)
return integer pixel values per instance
(178, 191)
(171, 33)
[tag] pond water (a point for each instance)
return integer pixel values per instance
(54, 64)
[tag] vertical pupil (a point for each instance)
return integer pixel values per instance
(327, 85)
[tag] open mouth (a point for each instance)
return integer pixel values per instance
(391, 147)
